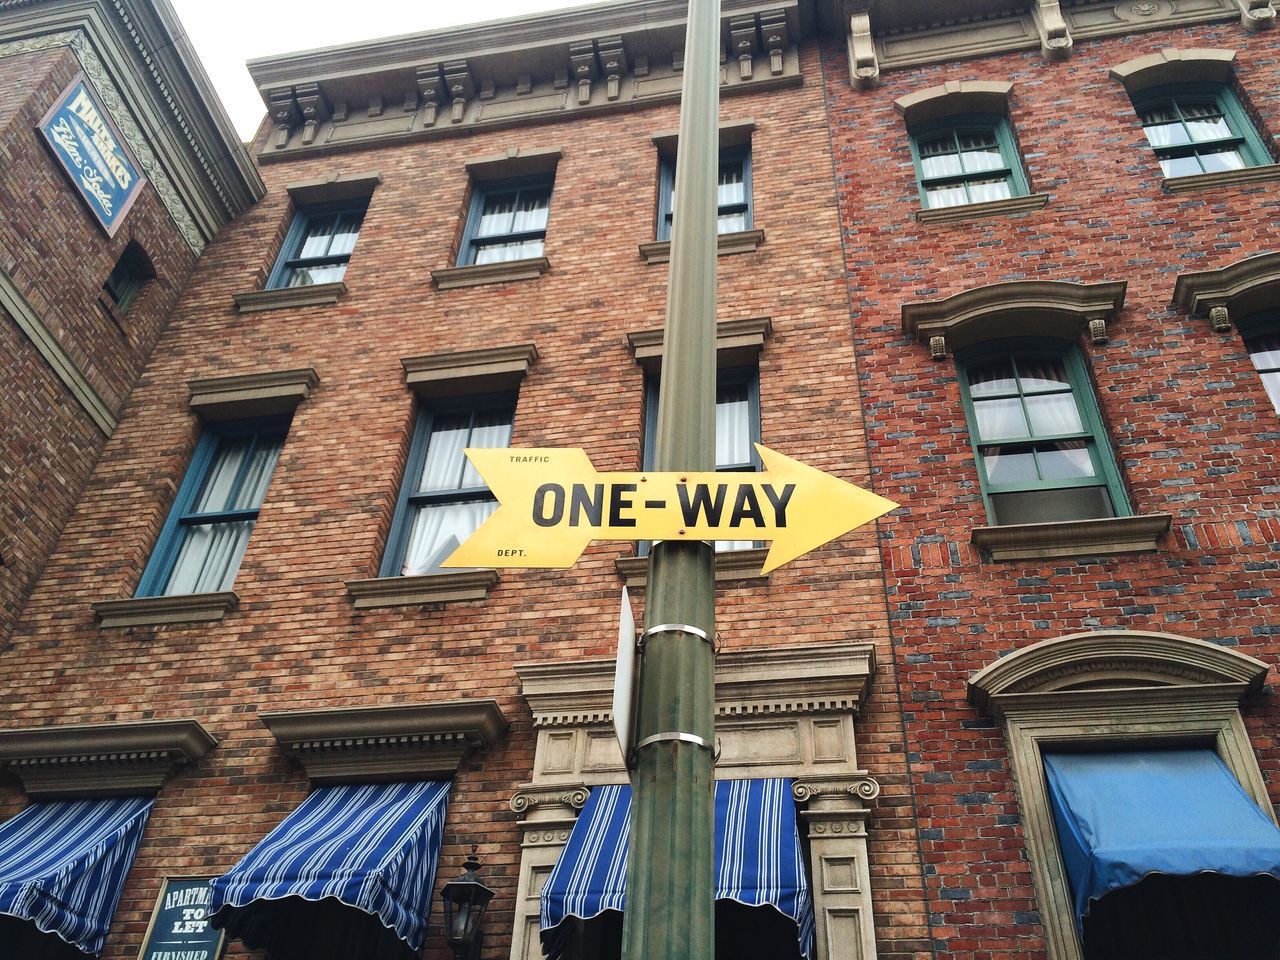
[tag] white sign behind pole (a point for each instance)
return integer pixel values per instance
(624, 678)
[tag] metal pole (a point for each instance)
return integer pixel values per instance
(670, 883)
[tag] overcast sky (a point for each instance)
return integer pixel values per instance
(226, 33)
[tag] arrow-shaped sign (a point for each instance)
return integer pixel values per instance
(553, 503)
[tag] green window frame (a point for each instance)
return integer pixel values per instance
(442, 498)
(1035, 427)
(1199, 128)
(1261, 335)
(964, 160)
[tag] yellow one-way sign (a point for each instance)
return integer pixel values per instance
(553, 503)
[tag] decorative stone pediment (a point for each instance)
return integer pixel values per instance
(953, 98)
(1231, 292)
(103, 759)
(394, 742)
(1118, 659)
(1042, 308)
(514, 72)
(1174, 66)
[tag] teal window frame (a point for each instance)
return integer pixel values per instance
(957, 126)
(393, 557)
(291, 260)
(667, 187)
(160, 567)
(481, 193)
(1244, 135)
(1092, 434)
(1252, 329)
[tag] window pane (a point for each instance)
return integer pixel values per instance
(1047, 506)
(733, 425)
(219, 482)
(316, 241)
(989, 379)
(1180, 166)
(491, 430)
(1066, 461)
(731, 222)
(306, 276)
(1272, 382)
(497, 216)
(531, 211)
(945, 196)
(1162, 127)
(1264, 351)
(1054, 414)
(438, 530)
(262, 463)
(980, 151)
(1009, 465)
(1205, 121)
(1000, 419)
(1227, 158)
(445, 462)
(1039, 374)
(344, 234)
(504, 252)
(733, 187)
(209, 557)
(984, 191)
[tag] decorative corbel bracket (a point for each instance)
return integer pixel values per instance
(773, 30)
(938, 348)
(742, 36)
(582, 64)
(431, 89)
(457, 77)
(843, 790)
(1098, 329)
(1256, 14)
(1220, 319)
(1055, 38)
(613, 63)
(284, 114)
(864, 67)
(315, 110)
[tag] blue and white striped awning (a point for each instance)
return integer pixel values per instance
(373, 847)
(63, 865)
(758, 860)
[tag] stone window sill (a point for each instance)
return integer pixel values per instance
(315, 295)
(1222, 178)
(731, 565)
(744, 241)
(157, 611)
(451, 587)
(451, 278)
(1073, 538)
(979, 211)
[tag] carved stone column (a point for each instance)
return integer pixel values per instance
(549, 815)
(836, 815)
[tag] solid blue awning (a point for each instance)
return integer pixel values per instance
(1123, 816)
(758, 860)
(372, 847)
(63, 865)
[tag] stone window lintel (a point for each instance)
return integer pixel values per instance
(733, 133)
(1236, 290)
(516, 162)
(251, 395)
(488, 370)
(335, 188)
(954, 98)
(738, 342)
(1169, 66)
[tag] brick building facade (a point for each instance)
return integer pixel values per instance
(463, 231)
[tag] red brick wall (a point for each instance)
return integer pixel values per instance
(58, 257)
(295, 641)
(1188, 419)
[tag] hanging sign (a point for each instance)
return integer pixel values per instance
(180, 927)
(87, 144)
(552, 503)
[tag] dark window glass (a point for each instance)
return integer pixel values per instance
(128, 277)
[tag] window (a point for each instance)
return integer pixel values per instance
(1264, 351)
(205, 536)
(443, 500)
(737, 429)
(128, 277)
(972, 160)
(508, 221)
(1035, 427)
(733, 196)
(318, 246)
(1199, 128)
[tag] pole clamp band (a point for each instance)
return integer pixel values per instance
(674, 628)
(681, 737)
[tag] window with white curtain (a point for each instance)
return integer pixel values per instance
(1197, 128)
(1264, 351)
(733, 192)
(318, 246)
(967, 160)
(1036, 430)
(443, 499)
(207, 531)
(737, 429)
(507, 221)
